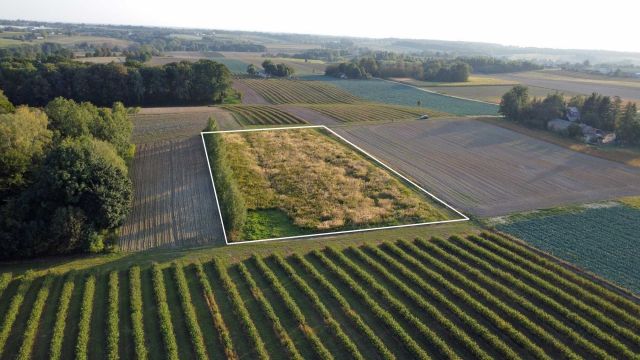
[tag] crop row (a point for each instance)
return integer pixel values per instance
(471, 297)
(490, 297)
(319, 348)
(283, 336)
(369, 112)
(609, 301)
(86, 311)
(164, 314)
(195, 333)
(241, 311)
(299, 92)
(387, 318)
(55, 351)
(346, 308)
(29, 335)
(11, 314)
(429, 308)
(553, 302)
(514, 283)
(262, 115)
(335, 327)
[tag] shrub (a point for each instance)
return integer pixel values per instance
(29, 335)
(12, 312)
(189, 312)
(113, 332)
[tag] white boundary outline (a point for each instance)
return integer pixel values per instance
(215, 193)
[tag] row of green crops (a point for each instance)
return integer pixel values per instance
(479, 296)
(604, 240)
(400, 94)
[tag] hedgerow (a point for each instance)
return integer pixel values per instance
(164, 314)
(319, 348)
(389, 320)
(381, 348)
(283, 336)
(328, 319)
(29, 335)
(113, 332)
(218, 321)
(231, 201)
(57, 336)
(191, 319)
(241, 311)
(84, 326)
(135, 293)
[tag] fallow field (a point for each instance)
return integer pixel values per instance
(476, 297)
(487, 170)
(301, 181)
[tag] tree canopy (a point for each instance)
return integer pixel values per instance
(37, 82)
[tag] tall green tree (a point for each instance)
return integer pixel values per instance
(514, 103)
(5, 105)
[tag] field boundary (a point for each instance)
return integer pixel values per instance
(306, 236)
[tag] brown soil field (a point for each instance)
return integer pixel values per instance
(309, 115)
(249, 96)
(487, 170)
(174, 204)
(627, 89)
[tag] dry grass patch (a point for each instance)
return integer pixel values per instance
(320, 183)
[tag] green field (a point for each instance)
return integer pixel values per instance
(395, 93)
(461, 298)
(603, 240)
(262, 115)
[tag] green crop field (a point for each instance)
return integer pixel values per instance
(603, 240)
(371, 112)
(299, 92)
(400, 94)
(262, 115)
(475, 297)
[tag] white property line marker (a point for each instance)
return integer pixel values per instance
(215, 193)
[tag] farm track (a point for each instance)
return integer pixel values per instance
(475, 297)
(174, 204)
(490, 171)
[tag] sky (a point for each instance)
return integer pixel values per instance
(570, 24)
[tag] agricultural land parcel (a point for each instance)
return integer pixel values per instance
(486, 170)
(466, 297)
(569, 82)
(171, 181)
(318, 182)
(602, 239)
(401, 94)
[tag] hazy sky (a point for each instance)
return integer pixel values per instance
(543, 23)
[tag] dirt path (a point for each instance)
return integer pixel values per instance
(309, 115)
(249, 96)
(486, 170)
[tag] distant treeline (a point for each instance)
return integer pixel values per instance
(601, 112)
(328, 55)
(491, 65)
(35, 51)
(390, 64)
(36, 82)
(430, 70)
(64, 184)
(271, 69)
